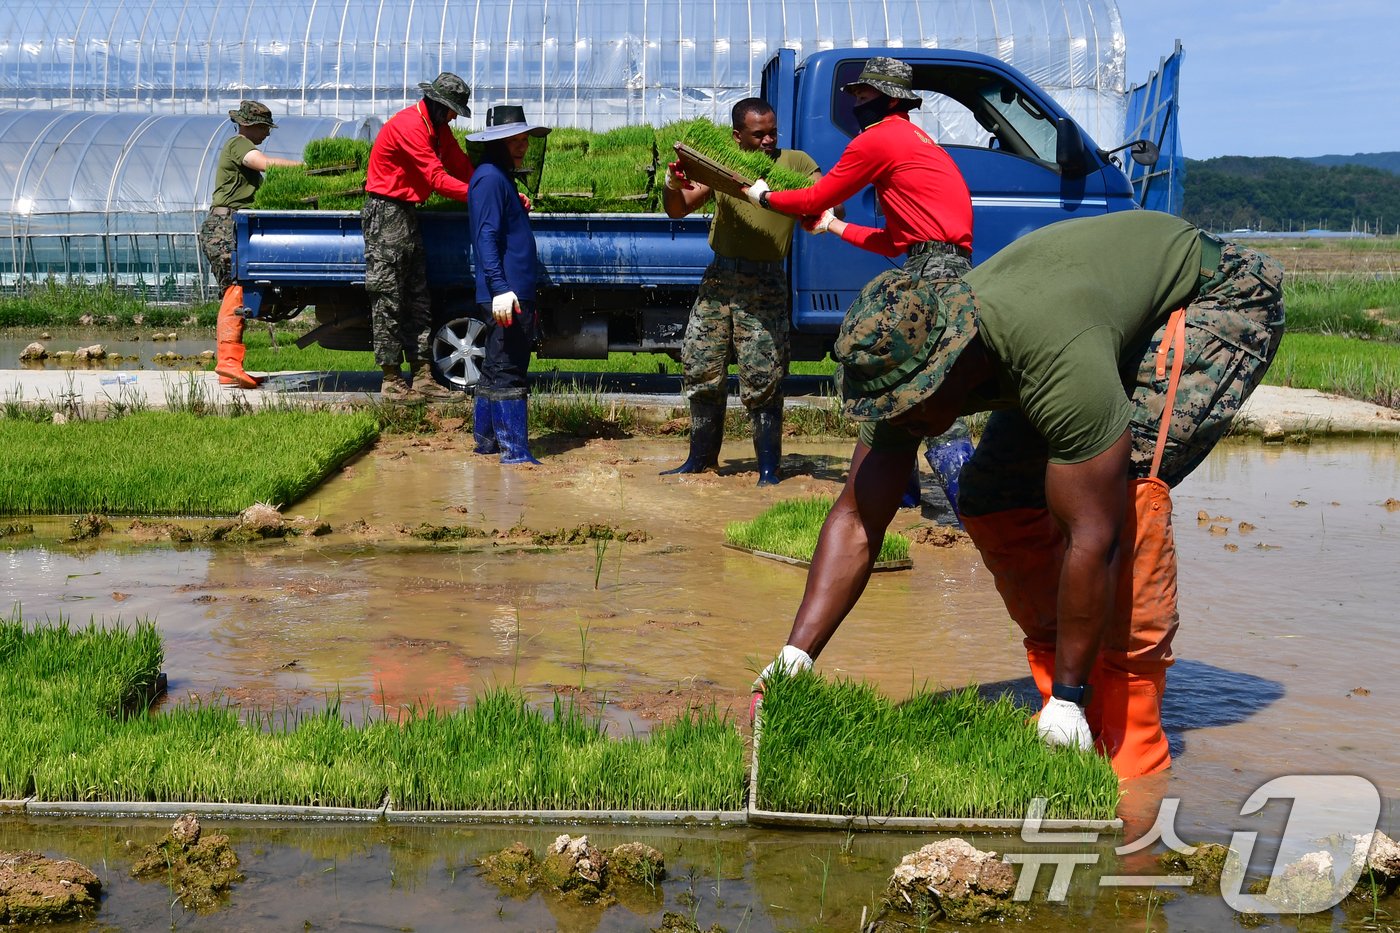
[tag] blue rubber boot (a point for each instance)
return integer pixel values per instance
(483, 428)
(947, 460)
(510, 418)
(768, 442)
(913, 493)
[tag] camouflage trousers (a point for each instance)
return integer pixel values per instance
(744, 317)
(1233, 330)
(216, 236)
(396, 278)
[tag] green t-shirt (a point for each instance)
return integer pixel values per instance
(742, 230)
(1062, 310)
(235, 183)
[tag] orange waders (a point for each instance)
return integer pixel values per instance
(228, 332)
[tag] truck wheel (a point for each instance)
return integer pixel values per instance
(459, 346)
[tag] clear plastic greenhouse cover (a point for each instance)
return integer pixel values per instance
(125, 100)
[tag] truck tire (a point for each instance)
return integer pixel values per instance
(458, 347)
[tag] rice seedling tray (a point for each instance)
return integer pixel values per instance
(701, 168)
(880, 565)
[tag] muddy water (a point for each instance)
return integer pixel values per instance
(1286, 647)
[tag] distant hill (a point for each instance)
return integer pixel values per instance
(1273, 193)
(1390, 161)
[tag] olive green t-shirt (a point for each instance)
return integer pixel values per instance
(1063, 309)
(235, 183)
(742, 230)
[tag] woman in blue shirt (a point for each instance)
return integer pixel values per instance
(503, 248)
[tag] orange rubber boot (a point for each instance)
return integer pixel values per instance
(228, 332)
(1042, 661)
(1125, 712)
(1129, 709)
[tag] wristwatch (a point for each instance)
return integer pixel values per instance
(1078, 695)
(763, 199)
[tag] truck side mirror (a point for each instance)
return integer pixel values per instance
(1071, 154)
(1142, 151)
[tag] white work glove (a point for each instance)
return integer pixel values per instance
(756, 191)
(822, 223)
(790, 660)
(675, 177)
(1062, 723)
(503, 308)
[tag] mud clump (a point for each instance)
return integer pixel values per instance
(9, 529)
(201, 869)
(33, 353)
(953, 880)
(261, 522)
(673, 922)
(1205, 864)
(575, 870)
(582, 534)
(159, 531)
(37, 890)
(936, 535)
(88, 526)
(427, 532)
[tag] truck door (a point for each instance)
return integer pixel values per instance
(1008, 138)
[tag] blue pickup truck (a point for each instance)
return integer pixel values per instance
(619, 282)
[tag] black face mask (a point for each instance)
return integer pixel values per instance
(872, 111)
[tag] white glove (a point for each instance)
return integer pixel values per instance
(756, 191)
(823, 222)
(790, 660)
(1062, 723)
(503, 307)
(675, 178)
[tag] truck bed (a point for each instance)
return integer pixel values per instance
(321, 248)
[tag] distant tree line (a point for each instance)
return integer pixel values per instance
(1273, 193)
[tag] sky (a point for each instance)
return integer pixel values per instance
(1275, 77)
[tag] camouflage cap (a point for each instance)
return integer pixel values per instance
(889, 76)
(250, 112)
(450, 91)
(896, 346)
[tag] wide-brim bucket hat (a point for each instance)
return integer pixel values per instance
(250, 113)
(897, 344)
(450, 91)
(506, 120)
(889, 76)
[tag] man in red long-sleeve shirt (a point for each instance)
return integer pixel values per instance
(927, 207)
(414, 155)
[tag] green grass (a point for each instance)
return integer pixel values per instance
(1343, 305)
(69, 706)
(790, 528)
(1362, 369)
(173, 463)
(66, 304)
(842, 748)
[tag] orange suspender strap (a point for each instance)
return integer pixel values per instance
(1174, 340)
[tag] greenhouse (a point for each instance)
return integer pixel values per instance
(111, 111)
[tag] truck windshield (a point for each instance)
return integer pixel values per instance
(964, 106)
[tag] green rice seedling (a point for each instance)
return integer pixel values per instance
(790, 529)
(840, 747)
(170, 463)
(1343, 305)
(334, 152)
(72, 702)
(718, 143)
(624, 139)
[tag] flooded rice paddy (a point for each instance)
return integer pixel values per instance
(1287, 665)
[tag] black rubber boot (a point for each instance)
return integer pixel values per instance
(768, 441)
(706, 436)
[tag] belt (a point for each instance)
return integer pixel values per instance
(221, 211)
(751, 266)
(385, 197)
(939, 246)
(1211, 247)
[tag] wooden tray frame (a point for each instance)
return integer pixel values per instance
(701, 168)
